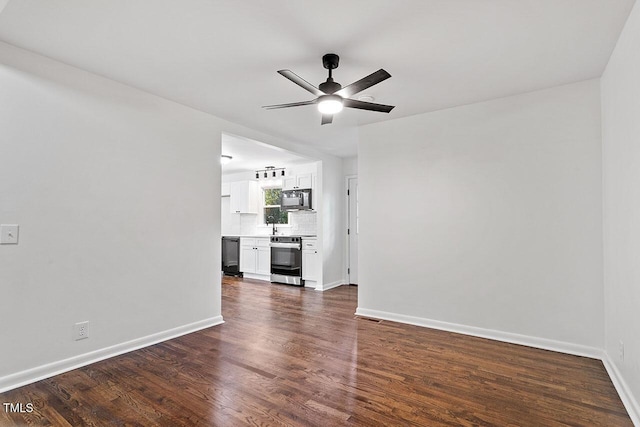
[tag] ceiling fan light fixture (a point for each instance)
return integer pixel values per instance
(330, 104)
(331, 96)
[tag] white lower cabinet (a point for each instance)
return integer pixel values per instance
(310, 260)
(248, 259)
(255, 257)
(263, 265)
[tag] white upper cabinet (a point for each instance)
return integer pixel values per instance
(244, 197)
(305, 180)
(293, 182)
(289, 183)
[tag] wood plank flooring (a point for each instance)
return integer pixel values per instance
(296, 357)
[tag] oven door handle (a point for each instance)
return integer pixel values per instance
(285, 245)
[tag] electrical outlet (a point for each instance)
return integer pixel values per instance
(81, 331)
(621, 350)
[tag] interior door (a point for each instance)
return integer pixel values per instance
(353, 230)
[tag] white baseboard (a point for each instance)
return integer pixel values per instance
(628, 399)
(543, 343)
(38, 373)
(327, 286)
(256, 277)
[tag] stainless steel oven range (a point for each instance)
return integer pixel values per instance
(286, 260)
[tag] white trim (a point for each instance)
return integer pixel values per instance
(628, 400)
(254, 276)
(38, 373)
(311, 284)
(347, 255)
(543, 343)
(327, 286)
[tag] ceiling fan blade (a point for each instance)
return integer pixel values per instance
(291, 104)
(364, 83)
(353, 103)
(301, 82)
(327, 119)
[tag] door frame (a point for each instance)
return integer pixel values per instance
(347, 254)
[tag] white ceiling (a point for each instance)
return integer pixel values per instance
(221, 56)
(250, 155)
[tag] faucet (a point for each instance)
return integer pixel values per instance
(273, 224)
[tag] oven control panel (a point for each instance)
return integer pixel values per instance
(286, 239)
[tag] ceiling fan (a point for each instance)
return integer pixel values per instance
(331, 96)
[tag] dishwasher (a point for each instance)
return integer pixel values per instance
(231, 256)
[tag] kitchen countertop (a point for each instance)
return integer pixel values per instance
(255, 236)
(245, 235)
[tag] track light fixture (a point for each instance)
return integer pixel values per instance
(272, 170)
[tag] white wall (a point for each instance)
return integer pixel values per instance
(117, 193)
(621, 187)
(487, 218)
(117, 196)
(350, 166)
(239, 176)
(331, 213)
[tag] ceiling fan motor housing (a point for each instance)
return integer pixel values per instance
(330, 61)
(330, 86)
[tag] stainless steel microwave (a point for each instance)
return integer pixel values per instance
(294, 200)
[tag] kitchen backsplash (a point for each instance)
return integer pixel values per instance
(303, 222)
(234, 224)
(248, 223)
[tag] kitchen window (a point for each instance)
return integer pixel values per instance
(271, 198)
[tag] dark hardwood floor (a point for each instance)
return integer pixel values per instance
(297, 357)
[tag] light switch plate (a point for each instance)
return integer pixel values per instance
(9, 234)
